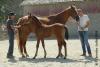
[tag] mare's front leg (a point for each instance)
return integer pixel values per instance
(64, 43)
(37, 46)
(43, 45)
(59, 51)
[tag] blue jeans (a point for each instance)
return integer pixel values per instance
(11, 42)
(84, 41)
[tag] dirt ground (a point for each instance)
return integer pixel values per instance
(73, 59)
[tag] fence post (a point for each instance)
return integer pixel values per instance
(96, 44)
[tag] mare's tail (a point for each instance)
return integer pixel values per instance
(66, 33)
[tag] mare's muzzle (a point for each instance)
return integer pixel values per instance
(76, 18)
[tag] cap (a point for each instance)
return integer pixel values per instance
(11, 14)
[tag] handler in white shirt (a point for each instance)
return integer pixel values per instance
(83, 25)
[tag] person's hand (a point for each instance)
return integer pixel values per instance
(78, 23)
(18, 26)
(82, 28)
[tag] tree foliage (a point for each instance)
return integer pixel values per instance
(9, 5)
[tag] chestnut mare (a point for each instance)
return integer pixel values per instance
(45, 27)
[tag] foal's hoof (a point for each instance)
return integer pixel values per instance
(44, 56)
(27, 55)
(23, 56)
(64, 57)
(61, 55)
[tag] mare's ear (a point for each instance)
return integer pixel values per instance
(73, 6)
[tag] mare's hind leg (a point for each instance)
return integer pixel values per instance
(43, 45)
(37, 46)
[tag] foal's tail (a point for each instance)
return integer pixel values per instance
(18, 39)
(66, 33)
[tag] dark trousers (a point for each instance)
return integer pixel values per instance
(84, 41)
(11, 42)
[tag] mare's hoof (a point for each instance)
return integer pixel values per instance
(57, 57)
(34, 57)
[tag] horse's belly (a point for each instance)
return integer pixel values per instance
(47, 33)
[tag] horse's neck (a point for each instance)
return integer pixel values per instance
(38, 25)
(63, 16)
(37, 22)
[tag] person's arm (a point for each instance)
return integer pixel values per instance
(15, 27)
(87, 25)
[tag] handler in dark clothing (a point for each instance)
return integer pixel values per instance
(10, 31)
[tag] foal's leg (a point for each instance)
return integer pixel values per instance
(37, 46)
(21, 48)
(25, 51)
(43, 45)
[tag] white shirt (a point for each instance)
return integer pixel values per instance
(83, 22)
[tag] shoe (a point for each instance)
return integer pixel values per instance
(90, 55)
(83, 55)
(10, 56)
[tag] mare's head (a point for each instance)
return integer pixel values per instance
(73, 13)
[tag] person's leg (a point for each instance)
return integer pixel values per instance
(87, 43)
(81, 35)
(11, 43)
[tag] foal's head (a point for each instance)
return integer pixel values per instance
(34, 20)
(23, 20)
(73, 13)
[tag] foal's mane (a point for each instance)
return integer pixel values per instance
(33, 18)
(36, 21)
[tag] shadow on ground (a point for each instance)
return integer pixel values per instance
(61, 60)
